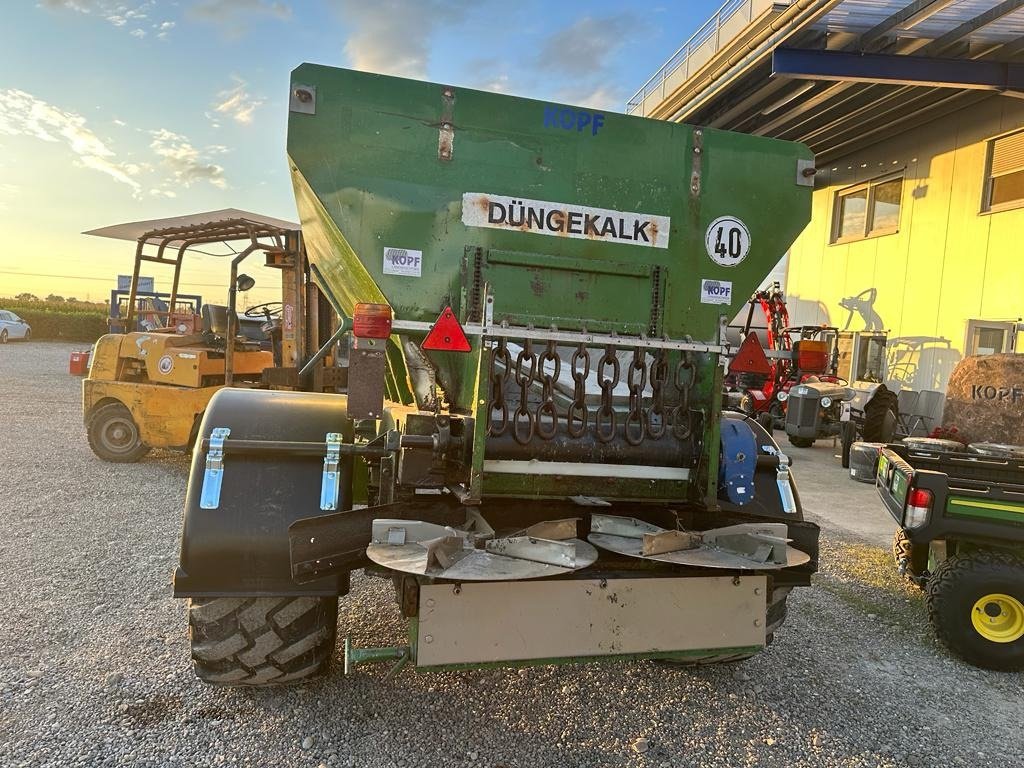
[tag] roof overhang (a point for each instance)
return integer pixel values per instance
(835, 74)
(153, 229)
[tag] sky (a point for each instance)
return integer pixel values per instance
(123, 110)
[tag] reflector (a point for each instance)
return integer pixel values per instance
(750, 358)
(371, 321)
(446, 335)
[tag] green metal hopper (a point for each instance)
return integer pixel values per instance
(422, 196)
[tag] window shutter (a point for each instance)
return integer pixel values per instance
(1008, 154)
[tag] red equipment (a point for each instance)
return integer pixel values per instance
(808, 356)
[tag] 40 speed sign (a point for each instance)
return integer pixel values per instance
(727, 241)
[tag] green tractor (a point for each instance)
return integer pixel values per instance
(532, 446)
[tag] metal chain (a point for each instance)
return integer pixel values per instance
(576, 416)
(682, 418)
(547, 414)
(639, 422)
(636, 380)
(524, 380)
(606, 413)
(656, 413)
(499, 352)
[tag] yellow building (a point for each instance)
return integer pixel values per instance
(915, 111)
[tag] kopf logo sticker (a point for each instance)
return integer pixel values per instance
(715, 292)
(403, 261)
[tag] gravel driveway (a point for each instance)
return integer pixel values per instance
(94, 666)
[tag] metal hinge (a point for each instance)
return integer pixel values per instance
(782, 479)
(213, 478)
(331, 482)
(785, 488)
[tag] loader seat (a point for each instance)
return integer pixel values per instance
(215, 325)
(215, 319)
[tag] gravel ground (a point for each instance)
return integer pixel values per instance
(94, 666)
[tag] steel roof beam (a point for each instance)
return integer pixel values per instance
(890, 69)
(973, 25)
(906, 18)
(952, 102)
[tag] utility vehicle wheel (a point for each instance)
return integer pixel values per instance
(902, 550)
(801, 442)
(775, 617)
(976, 605)
(114, 435)
(3, 337)
(261, 640)
(880, 416)
(767, 422)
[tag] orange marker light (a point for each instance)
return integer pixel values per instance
(371, 321)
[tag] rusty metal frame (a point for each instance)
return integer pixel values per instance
(222, 231)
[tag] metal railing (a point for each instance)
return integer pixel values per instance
(711, 30)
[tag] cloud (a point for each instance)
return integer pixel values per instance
(116, 12)
(164, 28)
(393, 37)
(229, 10)
(608, 98)
(237, 103)
(7, 192)
(488, 74)
(139, 33)
(187, 164)
(22, 114)
(584, 53)
(586, 45)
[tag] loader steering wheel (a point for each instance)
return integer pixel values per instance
(267, 309)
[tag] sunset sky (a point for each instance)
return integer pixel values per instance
(120, 110)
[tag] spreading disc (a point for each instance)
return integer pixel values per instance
(744, 547)
(471, 552)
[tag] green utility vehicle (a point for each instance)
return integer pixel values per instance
(536, 298)
(961, 538)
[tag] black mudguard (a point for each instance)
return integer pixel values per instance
(767, 504)
(242, 547)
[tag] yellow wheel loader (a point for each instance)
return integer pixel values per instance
(149, 388)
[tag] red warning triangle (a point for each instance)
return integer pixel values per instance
(750, 357)
(446, 335)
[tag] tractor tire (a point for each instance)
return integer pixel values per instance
(767, 422)
(114, 435)
(3, 337)
(848, 438)
(801, 442)
(259, 641)
(775, 617)
(976, 606)
(880, 416)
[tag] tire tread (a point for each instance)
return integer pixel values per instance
(262, 640)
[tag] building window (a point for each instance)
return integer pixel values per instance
(990, 337)
(1004, 186)
(869, 209)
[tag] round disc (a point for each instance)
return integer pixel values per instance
(475, 564)
(700, 557)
